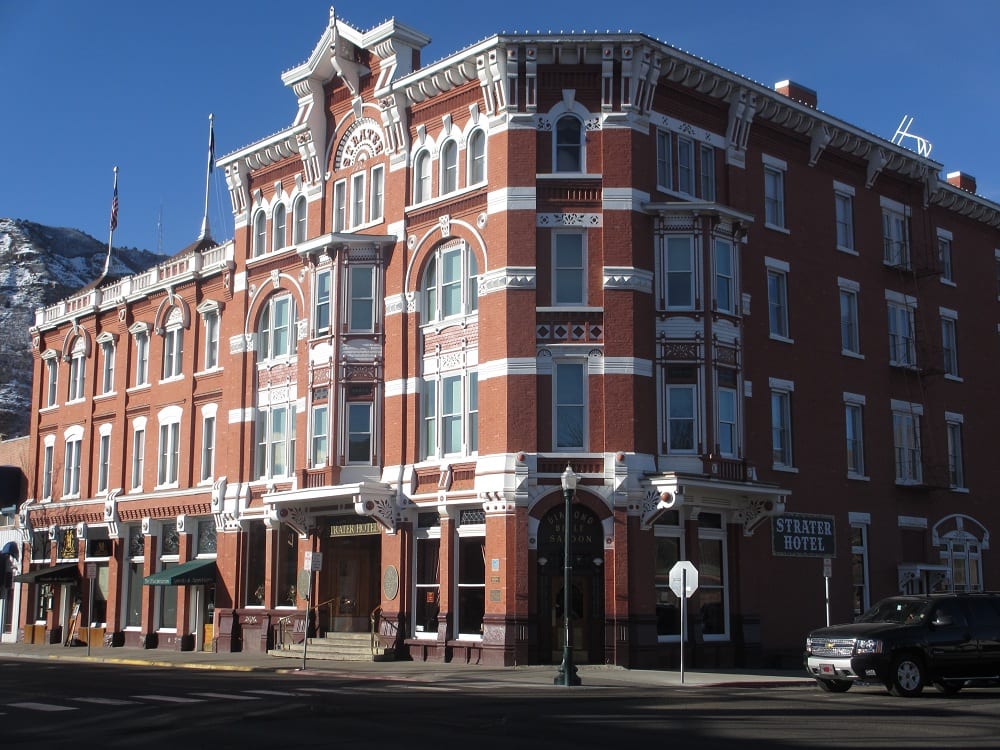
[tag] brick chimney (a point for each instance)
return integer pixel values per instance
(797, 92)
(962, 181)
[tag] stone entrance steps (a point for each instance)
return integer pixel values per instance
(333, 647)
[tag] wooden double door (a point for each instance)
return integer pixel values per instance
(349, 583)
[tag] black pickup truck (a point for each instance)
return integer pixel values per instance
(908, 642)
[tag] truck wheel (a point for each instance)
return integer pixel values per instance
(907, 678)
(834, 686)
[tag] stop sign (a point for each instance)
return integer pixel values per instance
(683, 579)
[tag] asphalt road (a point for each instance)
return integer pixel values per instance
(56, 705)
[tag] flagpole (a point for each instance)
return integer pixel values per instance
(112, 225)
(205, 232)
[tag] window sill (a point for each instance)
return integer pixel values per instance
(569, 308)
(852, 355)
(269, 254)
(171, 379)
(858, 477)
(776, 228)
(136, 388)
(848, 251)
(568, 176)
(105, 396)
(786, 469)
(960, 490)
(909, 482)
(948, 282)
(954, 378)
(210, 371)
(783, 339)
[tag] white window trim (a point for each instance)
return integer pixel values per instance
(779, 267)
(775, 164)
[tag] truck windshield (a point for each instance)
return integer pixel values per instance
(896, 610)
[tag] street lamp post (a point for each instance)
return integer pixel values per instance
(567, 670)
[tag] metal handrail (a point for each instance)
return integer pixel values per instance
(330, 601)
(376, 622)
(280, 631)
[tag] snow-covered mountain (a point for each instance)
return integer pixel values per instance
(39, 266)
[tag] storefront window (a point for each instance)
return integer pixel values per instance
(427, 585)
(255, 565)
(471, 585)
(288, 558)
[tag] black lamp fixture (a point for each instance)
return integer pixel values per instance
(567, 670)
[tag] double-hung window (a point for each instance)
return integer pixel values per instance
(300, 220)
(944, 238)
(777, 297)
(781, 423)
(141, 356)
(277, 335)
(680, 275)
(568, 144)
(278, 224)
(422, 177)
(71, 466)
(77, 370)
(895, 234)
(340, 206)
(173, 345)
(104, 458)
(107, 365)
(476, 156)
(956, 461)
(906, 441)
(138, 452)
(259, 233)
(570, 403)
(321, 304)
(902, 350)
(854, 404)
(361, 314)
(359, 432)
(707, 177)
(727, 414)
(377, 194)
(275, 437)
(358, 199)
(664, 160)
(168, 459)
(208, 443)
(774, 192)
(449, 167)
(949, 341)
(450, 283)
(451, 414)
(320, 435)
(48, 461)
(850, 332)
(569, 268)
(210, 317)
(51, 380)
(843, 202)
(725, 276)
(685, 166)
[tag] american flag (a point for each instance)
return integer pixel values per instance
(114, 207)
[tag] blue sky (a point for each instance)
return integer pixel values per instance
(90, 85)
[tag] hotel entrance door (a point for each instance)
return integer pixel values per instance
(349, 581)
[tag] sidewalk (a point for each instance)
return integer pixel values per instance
(591, 675)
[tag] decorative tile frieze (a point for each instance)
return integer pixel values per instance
(569, 220)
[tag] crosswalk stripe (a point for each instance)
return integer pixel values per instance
(229, 696)
(42, 706)
(105, 701)
(168, 698)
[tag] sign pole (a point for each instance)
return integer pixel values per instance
(684, 599)
(90, 613)
(827, 571)
(305, 635)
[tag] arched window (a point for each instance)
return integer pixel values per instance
(259, 234)
(449, 167)
(300, 215)
(422, 178)
(277, 335)
(450, 283)
(476, 154)
(569, 144)
(278, 222)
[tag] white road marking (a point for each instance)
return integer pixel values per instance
(42, 706)
(282, 693)
(105, 701)
(168, 698)
(229, 696)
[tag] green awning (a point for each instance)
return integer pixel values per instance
(62, 573)
(191, 573)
